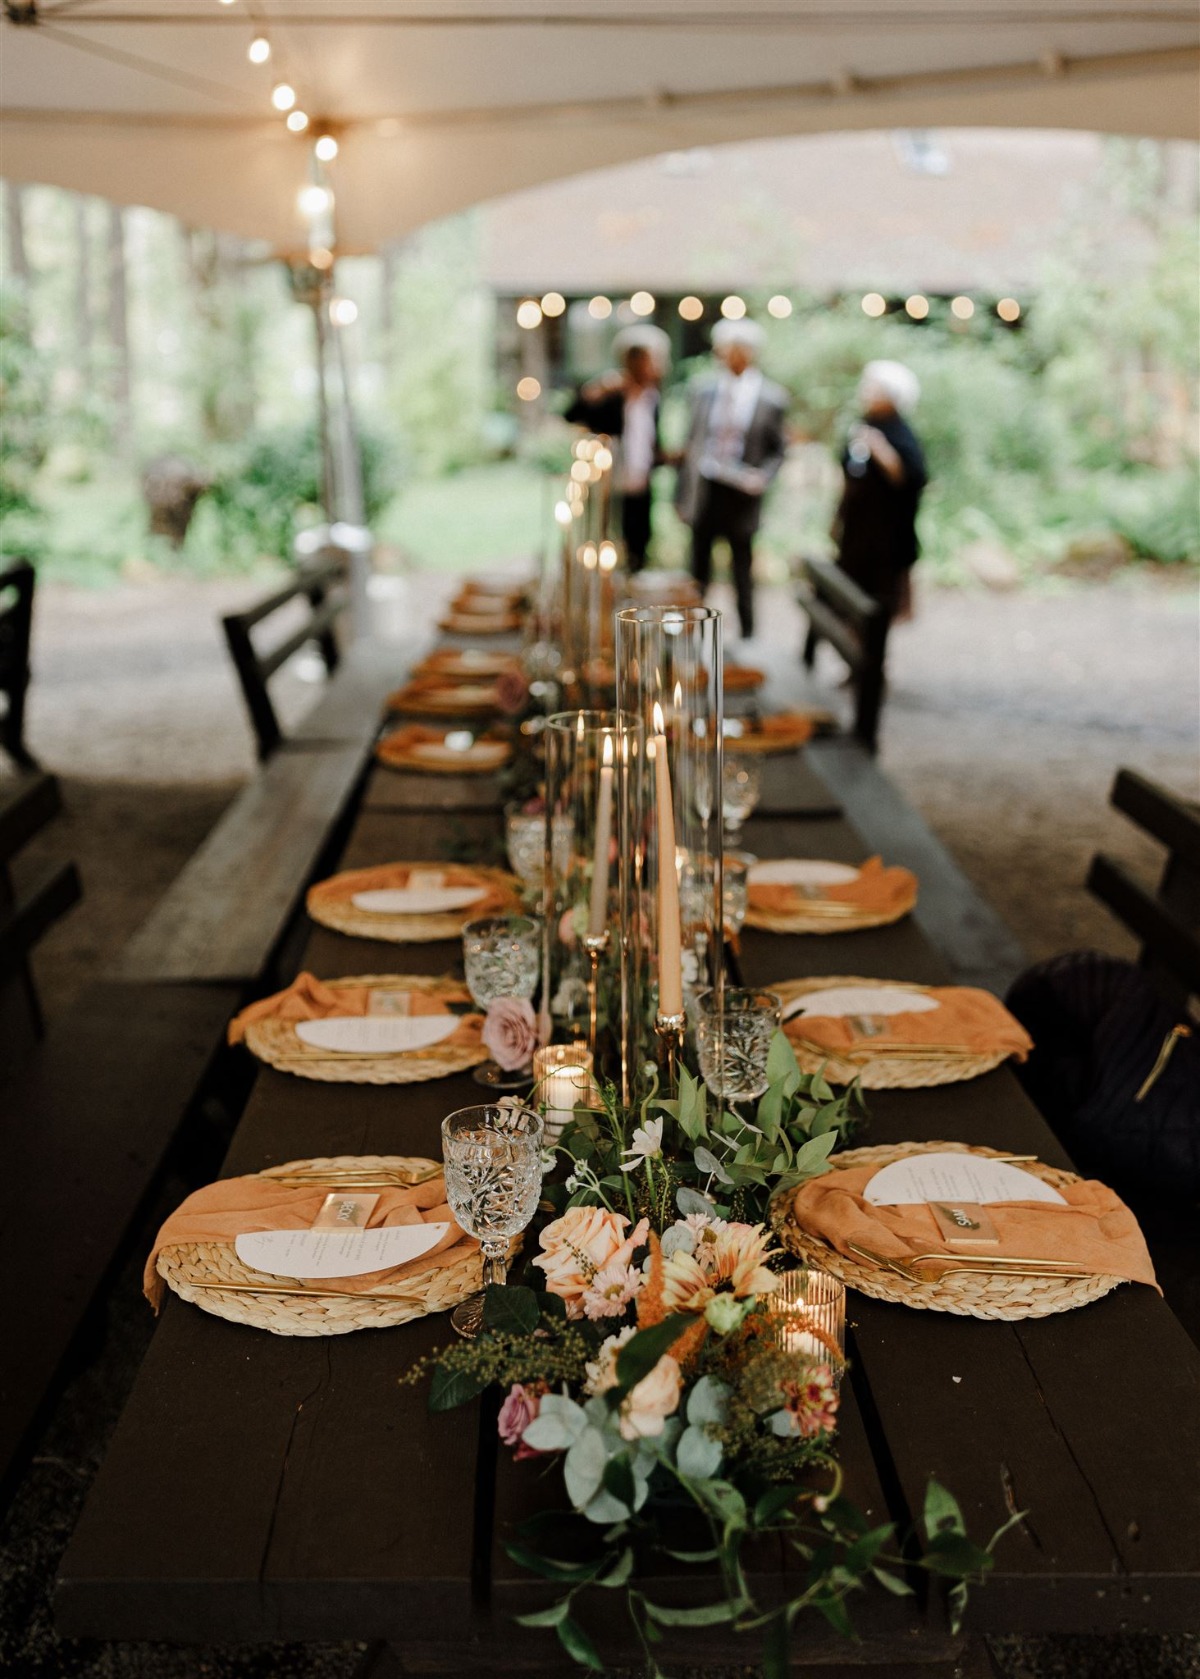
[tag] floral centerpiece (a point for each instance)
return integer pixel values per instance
(644, 1357)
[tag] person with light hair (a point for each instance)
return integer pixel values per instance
(734, 449)
(883, 476)
(624, 405)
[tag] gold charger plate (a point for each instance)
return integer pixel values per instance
(196, 1271)
(275, 1042)
(978, 1296)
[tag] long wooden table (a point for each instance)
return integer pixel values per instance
(261, 1488)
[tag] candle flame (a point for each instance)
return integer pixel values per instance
(679, 696)
(607, 756)
(660, 726)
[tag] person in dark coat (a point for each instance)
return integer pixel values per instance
(624, 405)
(734, 449)
(884, 474)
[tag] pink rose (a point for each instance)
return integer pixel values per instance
(510, 1032)
(521, 1405)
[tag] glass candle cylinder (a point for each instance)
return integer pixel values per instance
(562, 1082)
(669, 682)
(582, 841)
(808, 1317)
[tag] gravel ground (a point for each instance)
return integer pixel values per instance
(1007, 717)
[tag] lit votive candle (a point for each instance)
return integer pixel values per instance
(808, 1312)
(562, 1075)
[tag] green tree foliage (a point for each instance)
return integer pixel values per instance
(24, 428)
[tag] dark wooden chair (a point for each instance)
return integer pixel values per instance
(323, 587)
(27, 804)
(854, 623)
(1167, 922)
(17, 582)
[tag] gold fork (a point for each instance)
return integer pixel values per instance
(996, 1266)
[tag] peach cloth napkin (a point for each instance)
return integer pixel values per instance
(392, 877)
(233, 1207)
(435, 687)
(969, 1019)
(307, 999)
(399, 744)
(787, 725)
(876, 890)
(1095, 1229)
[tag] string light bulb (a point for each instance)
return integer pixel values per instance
(1008, 309)
(529, 314)
(779, 307)
(874, 305)
(529, 388)
(554, 303)
(297, 121)
(600, 308)
(283, 96)
(962, 308)
(608, 556)
(562, 514)
(326, 148)
(343, 311)
(642, 303)
(733, 308)
(690, 308)
(259, 50)
(916, 307)
(314, 200)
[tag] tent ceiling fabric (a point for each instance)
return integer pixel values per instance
(438, 104)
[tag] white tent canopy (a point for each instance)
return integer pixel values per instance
(437, 104)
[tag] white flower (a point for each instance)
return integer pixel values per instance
(646, 1145)
(601, 1373)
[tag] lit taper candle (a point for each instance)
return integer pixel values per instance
(670, 966)
(598, 910)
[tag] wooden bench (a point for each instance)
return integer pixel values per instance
(224, 916)
(850, 620)
(322, 587)
(1165, 921)
(17, 582)
(27, 804)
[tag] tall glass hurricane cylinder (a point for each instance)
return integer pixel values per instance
(669, 677)
(585, 754)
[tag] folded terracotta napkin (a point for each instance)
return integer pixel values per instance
(388, 877)
(876, 890)
(306, 998)
(398, 745)
(964, 1018)
(233, 1207)
(434, 688)
(1095, 1229)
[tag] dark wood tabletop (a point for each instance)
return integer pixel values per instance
(259, 1487)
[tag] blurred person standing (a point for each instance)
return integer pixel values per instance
(624, 405)
(883, 476)
(735, 447)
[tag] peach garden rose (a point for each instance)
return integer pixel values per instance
(582, 1243)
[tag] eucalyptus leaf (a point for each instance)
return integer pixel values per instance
(620, 1572)
(892, 1583)
(691, 1201)
(604, 1508)
(773, 1503)
(708, 1401)
(698, 1455)
(618, 1480)
(782, 1067)
(707, 1162)
(583, 1468)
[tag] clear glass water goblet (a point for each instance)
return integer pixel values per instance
(741, 786)
(734, 1030)
(735, 889)
(502, 957)
(525, 842)
(492, 1156)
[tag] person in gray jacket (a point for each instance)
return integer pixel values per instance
(735, 447)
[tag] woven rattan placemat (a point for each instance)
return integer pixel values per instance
(331, 903)
(913, 1069)
(276, 1043)
(967, 1295)
(197, 1271)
